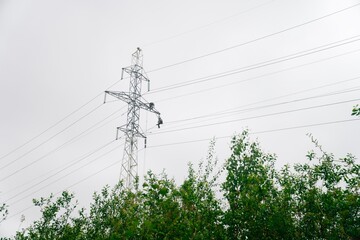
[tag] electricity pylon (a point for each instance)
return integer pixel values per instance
(132, 130)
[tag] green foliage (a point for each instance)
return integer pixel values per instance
(356, 111)
(254, 210)
(113, 214)
(3, 212)
(318, 199)
(327, 197)
(56, 221)
(202, 214)
(158, 210)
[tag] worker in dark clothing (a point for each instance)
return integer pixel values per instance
(160, 121)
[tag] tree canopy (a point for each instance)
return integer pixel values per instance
(318, 199)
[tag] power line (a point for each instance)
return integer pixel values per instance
(258, 65)
(262, 107)
(71, 140)
(58, 179)
(92, 175)
(207, 139)
(52, 126)
(17, 171)
(65, 129)
(259, 132)
(295, 93)
(48, 139)
(232, 111)
(256, 39)
(209, 24)
(309, 125)
(57, 123)
(31, 206)
(178, 63)
(302, 99)
(255, 78)
(184, 62)
(242, 109)
(259, 116)
(77, 137)
(167, 89)
(226, 115)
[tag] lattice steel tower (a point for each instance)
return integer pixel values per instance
(132, 130)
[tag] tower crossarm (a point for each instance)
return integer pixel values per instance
(125, 97)
(148, 107)
(135, 70)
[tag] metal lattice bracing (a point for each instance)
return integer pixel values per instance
(131, 130)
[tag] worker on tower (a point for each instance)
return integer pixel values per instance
(160, 121)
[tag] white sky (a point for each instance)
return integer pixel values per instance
(57, 55)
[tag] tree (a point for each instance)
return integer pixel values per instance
(201, 210)
(254, 210)
(56, 221)
(160, 209)
(114, 214)
(327, 203)
(318, 199)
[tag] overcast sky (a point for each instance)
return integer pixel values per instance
(281, 68)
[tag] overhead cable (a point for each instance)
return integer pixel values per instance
(259, 65)
(208, 24)
(185, 61)
(255, 117)
(259, 132)
(254, 78)
(243, 109)
(82, 180)
(62, 177)
(77, 137)
(257, 39)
